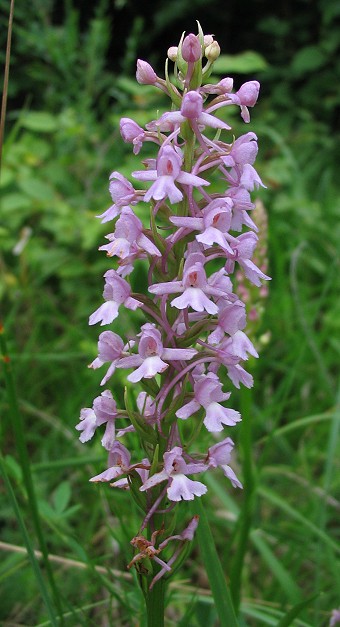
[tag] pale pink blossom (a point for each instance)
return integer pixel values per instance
(152, 357)
(220, 455)
(208, 394)
(116, 292)
(167, 172)
(175, 473)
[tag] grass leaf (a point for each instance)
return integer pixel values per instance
(212, 564)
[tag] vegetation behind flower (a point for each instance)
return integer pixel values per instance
(45, 325)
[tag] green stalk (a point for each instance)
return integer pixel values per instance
(155, 598)
(27, 542)
(19, 431)
(155, 604)
(246, 514)
(218, 584)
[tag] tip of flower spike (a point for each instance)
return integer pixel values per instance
(191, 49)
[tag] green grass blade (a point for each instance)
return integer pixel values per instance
(30, 551)
(301, 423)
(78, 610)
(329, 469)
(277, 568)
(295, 515)
(288, 618)
(245, 519)
(266, 615)
(19, 434)
(212, 564)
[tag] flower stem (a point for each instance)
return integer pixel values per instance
(155, 606)
(246, 514)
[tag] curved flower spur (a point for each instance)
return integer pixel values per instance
(195, 325)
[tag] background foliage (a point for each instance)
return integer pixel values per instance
(71, 79)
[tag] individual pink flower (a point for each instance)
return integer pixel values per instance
(128, 238)
(87, 424)
(191, 109)
(122, 194)
(167, 172)
(175, 473)
(219, 455)
(116, 292)
(246, 97)
(243, 247)
(237, 374)
(213, 225)
(243, 150)
(145, 74)
(119, 464)
(151, 355)
(132, 133)
(234, 349)
(104, 411)
(208, 394)
(110, 348)
(194, 286)
(224, 86)
(231, 318)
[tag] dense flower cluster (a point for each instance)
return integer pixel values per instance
(194, 329)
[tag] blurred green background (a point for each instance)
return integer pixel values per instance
(71, 79)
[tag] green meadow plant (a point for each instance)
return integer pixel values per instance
(194, 322)
(65, 545)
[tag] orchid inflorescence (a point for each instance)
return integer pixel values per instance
(194, 322)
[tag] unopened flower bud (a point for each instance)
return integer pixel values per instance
(130, 130)
(192, 105)
(213, 51)
(145, 74)
(172, 53)
(191, 49)
(226, 85)
(248, 93)
(208, 39)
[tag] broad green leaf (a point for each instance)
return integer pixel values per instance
(40, 121)
(61, 496)
(308, 59)
(243, 63)
(212, 565)
(36, 189)
(12, 202)
(7, 176)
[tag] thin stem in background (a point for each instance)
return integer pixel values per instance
(6, 75)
